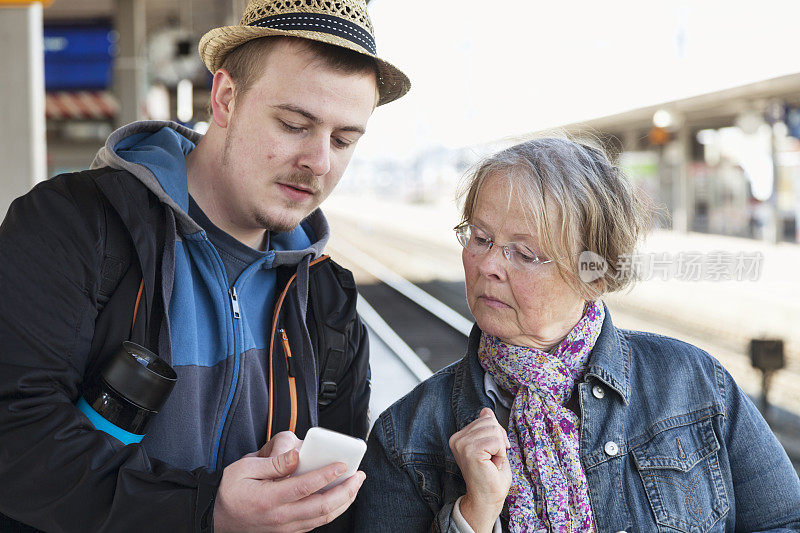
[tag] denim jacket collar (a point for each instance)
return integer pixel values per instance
(468, 389)
(609, 363)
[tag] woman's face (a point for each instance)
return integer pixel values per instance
(535, 308)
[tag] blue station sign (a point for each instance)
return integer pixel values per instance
(78, 57)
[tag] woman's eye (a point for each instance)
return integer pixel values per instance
(481, 240)
(525, 255)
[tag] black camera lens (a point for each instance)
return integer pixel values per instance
(133, 386)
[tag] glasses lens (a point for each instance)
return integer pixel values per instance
(462, 234)
(521, 256)
(479, 240)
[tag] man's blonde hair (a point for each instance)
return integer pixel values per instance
(596, 208)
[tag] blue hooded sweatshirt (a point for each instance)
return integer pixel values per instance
(219, 335)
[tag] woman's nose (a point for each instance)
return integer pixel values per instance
(494, 263)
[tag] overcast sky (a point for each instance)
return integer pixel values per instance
(483, 70)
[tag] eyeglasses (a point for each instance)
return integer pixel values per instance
(478, 242)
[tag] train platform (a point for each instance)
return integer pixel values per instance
(713, 291)
(395, 368)
(391, 379)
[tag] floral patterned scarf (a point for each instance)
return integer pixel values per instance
(549, 491)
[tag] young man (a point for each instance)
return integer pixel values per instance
(208, 251)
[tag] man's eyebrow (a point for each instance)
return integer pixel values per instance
(356, 129)
(300, 111)
(315, 119)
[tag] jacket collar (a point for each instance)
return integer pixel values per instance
(469, 395)
(609, 362)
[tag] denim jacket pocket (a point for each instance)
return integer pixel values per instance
(438, 479)
(681, 474)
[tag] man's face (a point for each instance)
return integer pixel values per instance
(290, 138)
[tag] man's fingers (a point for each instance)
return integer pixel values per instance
(322, 508)
(313, 523)
(269, 468)
(285, 463)
(302, 486)
(280, 443)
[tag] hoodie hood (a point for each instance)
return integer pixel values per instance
(154, 151)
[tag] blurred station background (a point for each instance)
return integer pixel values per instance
(699, 103)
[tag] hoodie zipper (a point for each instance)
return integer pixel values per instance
(237, 315)
(234, 302)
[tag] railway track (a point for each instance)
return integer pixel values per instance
(429, 325)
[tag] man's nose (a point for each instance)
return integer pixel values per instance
(316, 155)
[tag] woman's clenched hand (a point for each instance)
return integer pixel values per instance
(480, 451)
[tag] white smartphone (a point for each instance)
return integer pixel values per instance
(322, 447)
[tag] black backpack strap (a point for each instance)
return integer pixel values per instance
(336, 359)
(114, 268)
(116, 258)
(117, 244)
(334, 367)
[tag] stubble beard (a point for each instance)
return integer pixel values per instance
(275, 224)
(288, 211)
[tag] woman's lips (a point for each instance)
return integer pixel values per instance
(494, 302)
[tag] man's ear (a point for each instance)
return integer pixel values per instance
(222, 98)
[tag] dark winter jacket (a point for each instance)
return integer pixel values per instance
(60, 474)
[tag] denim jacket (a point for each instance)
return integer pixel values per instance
(668, 442)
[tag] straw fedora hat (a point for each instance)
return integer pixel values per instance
(342, 23)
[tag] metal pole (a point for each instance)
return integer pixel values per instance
(23, 142)
(129, 67)
(766, 381)
(773, 233)
(683, 194)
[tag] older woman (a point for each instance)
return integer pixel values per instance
(555, 420)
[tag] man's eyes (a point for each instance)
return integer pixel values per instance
(342, 143)
(338, 142)
(292, 129)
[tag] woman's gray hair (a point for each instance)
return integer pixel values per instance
(593, 207)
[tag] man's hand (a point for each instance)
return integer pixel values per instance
(255, 493)
(480, 451)
(279, 444)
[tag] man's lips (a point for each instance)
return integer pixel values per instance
(296, 191)
(299, 187)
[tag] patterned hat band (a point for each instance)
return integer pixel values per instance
(320, 23)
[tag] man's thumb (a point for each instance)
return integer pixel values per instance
(285, 463)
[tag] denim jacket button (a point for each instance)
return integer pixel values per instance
(598, 392)
(611, 448)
